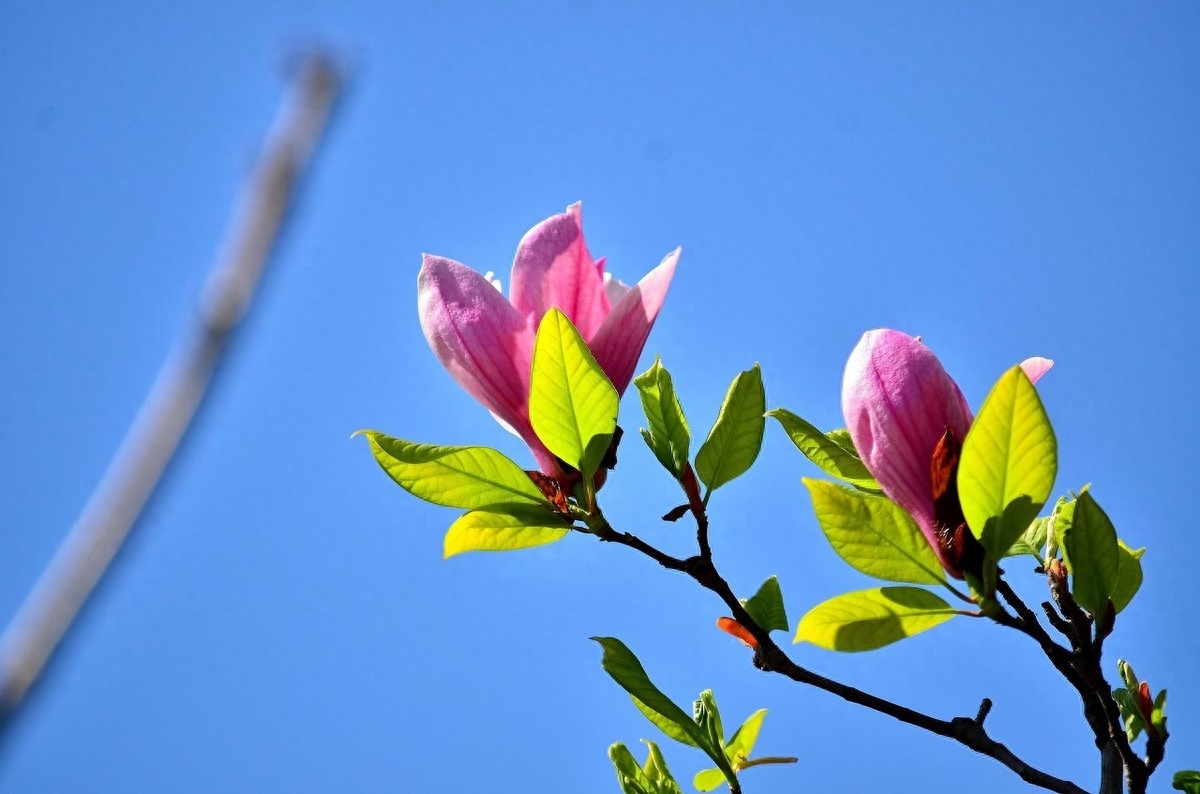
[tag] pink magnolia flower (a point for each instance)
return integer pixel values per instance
(486, 342)
(908, 419)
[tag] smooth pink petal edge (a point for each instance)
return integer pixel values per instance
(618, 344)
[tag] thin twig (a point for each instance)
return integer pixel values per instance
(60, 593)
(967, 731)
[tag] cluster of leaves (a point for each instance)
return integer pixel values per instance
(1005, 476)
(702, 730)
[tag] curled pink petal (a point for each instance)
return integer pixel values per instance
(554, 269)
(486, 343)
(619, 342)
(481, 340)
(1036, 367)
(898, 402)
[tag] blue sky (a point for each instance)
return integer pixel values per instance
(1004, 179)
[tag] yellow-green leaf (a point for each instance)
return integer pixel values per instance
(1129, 575)
(508, 530)
(736, 438)
(668, 435)
(572, 404)
(824, 450)
(1009, 461)
(873, 534)
(463, 477)
(1092, 554)
(870, 619)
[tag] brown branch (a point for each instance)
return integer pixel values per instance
(135, 471)
(967, 731)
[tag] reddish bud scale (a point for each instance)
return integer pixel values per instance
(732, 627)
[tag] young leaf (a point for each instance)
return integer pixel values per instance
(870, 619)
(572, 404)
(1129, 576)
(708, 717)
(874, 534)
(620, 663)
(630, 776)
(1131, 715)
(463, 477)
(708, 780)
(1092, 554)
(823, 449)
(736, 437)
(513, 528)
(1187, 781)
(657, 772)
(766, 606)
(841, 437)
(668, 437)
(741, 744)
(1032, 540)
(671, 729)
(1009, 461)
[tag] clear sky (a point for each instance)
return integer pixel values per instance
(1004, 179)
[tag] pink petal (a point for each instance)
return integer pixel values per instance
(1036, 367)
(554, 269)
(898, 402)
(482, 341)
(619, 342)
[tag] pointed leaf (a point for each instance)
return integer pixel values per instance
(1009, 461)
(463, 477)
(766, 606)
(874, 534)
(620, 663)
(1131, 715)
(841, 437)
(1032, 540)
(870, 619)
(741, 744)
(630, 775)
(671, 729)
(668, 436)
(1092, 554)
(708, 717)
(825, 450)
(736, 438)
(503, 530)
(572, 404)
(657, 772)
(1129, 576)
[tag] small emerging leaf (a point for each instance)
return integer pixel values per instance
(830, 454)
(766, 606)
(508, 530)
(1008, 464)
(736, 438)
(1129, 575)
(463, 477)
(620, 663)
(572, 404)
(870, 619)
(741, 744)
(1187, 781)
(874, 534)
(1032, 540)
(1092, 554)
(668, 437)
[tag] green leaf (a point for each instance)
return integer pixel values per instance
(708, 717)
(829, 453)
(1187, 781)
(513, 528)
(870, 619)
(671, 729)
(463, 477)
(657, 772)
(620, 663)
(1158, 716)
(736, 438)
(630, 776)
(572, 404)
(1008, 464)
(1032, 540)
(1130, 714)
(708, 780)
(1092, 554)
(1129, 575)
(668, 437)
(841, 437)
(874, 534)
(741, 744)
(766, 606)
